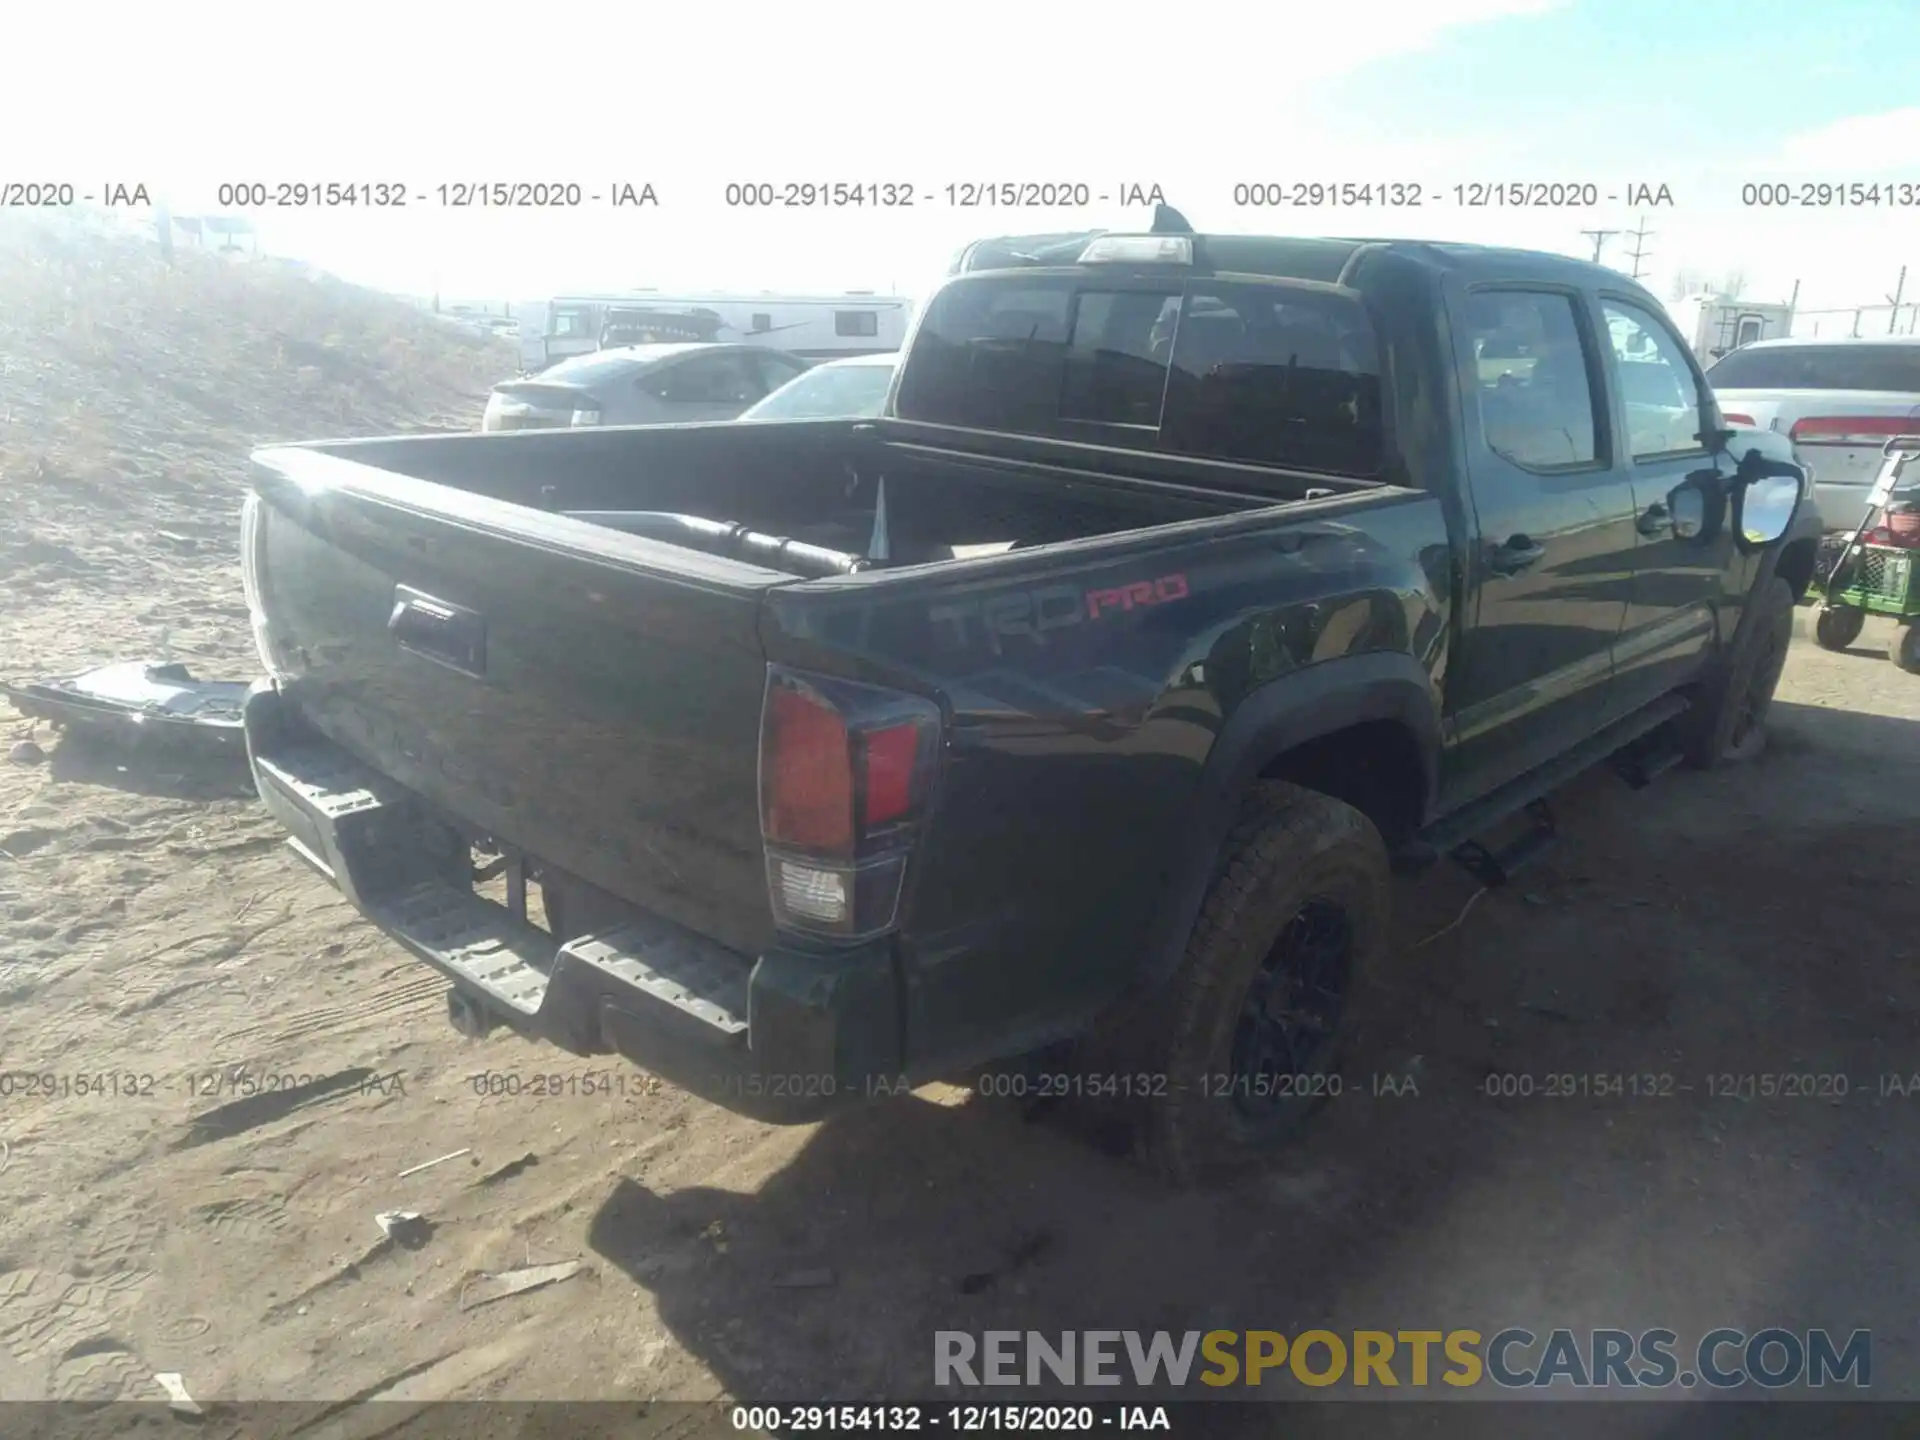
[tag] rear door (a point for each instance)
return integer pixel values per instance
(1680, 490)
(1552, 567)
(571, 330)
(704, 386)
(776, 369)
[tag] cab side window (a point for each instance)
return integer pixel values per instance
(1656, 382)
(724, 379)
(777, 370)
(1534, 379)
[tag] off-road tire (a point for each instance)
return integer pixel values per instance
(1904, 648)
(1727, 722)
(1290, 848)
(1835, 627)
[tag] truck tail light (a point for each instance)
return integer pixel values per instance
(1733, 417)
(846, 771)
(1873, 430)
(253, 544)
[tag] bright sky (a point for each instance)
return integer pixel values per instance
(1701, 97)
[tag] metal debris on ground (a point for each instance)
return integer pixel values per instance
(406, 1228)
(177, 1397)
(138, 699)
(490, 1288)
(429, 1164)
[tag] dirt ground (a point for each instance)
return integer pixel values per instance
(157, 943)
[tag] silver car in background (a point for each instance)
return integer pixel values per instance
(1838, 401)
(642, 385)
(849, 389)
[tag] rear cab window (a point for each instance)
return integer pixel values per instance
(1535, 385)
(1270, 372)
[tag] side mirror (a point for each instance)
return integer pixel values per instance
(1766, 501)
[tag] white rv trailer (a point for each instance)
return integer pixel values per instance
(819, 327)
(1715, 324)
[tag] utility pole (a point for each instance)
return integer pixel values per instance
(1899, 289)
(1599, 238)
(1639, 251)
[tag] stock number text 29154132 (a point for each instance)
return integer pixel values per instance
(1329, 194)
(1832, 195)
(311, 194)
(946, 1419)
(819, 194)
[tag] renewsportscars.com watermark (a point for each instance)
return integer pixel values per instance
(1511, 1359)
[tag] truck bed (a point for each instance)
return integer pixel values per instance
(440, 612)
(819, 482)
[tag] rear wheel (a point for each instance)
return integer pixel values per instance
(1272, 979)
(1727, 723)
(1838, 626)
(1904, 648)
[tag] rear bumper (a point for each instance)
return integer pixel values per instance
(785, 1037)
(1843, 504)
(1842, 477)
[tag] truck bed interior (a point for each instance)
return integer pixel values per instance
(802, 497)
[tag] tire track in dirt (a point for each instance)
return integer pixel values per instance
(383, 1006)
(254, 1216)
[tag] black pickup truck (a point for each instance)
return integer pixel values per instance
(1088, 697)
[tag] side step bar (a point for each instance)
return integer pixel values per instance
(1455, 834)
(1494, 866)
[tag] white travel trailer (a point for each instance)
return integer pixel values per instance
(817, 327)
(1715, 324)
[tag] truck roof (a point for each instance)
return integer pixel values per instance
(1327, 259)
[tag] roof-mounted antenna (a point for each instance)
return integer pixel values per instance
(1169, 221)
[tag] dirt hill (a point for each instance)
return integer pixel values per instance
(132, 390)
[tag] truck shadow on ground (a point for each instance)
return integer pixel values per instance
(1714, 929)
(162, 771)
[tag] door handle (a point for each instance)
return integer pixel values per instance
(1519, 553)
(1654, 518)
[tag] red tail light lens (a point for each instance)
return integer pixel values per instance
(887, 772)
(845, 773)
(808, 777)
(1848, 429)
(1735, 418)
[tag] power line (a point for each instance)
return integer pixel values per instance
(1599, 238)
(1639, 251)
